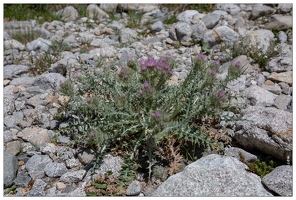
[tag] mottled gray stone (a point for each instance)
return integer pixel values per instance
(134, 188)
(64, 153)
(213, 175)
(260, 10)
(49, 81)
(22, 179)
(282, 101)
(280, 64)
(211, 20)
(187, 16)
(58, 68)
(258, 96)
(95, 12)
(183, 31)
(284, 7)
(282, 37)
(260, 39)
(36, 164)
(12, 120)
(13, 44)
(10, 167)
(69, 13)
(37, 188)
(110, 163)
(74, 176)
(63, 139)
(55, 169)
(13, 147)
(85, 156)
(24, 81)
(224, 33)
(39, 44)
(280, 180)
(12, 71)
(198, 30)
(79, 192)
(157, 26)
(8, 100)
(109, 7)
(268, 130)
(34, 135)
(126, 35)
(231, 8)
(235, 153)
(275, 88)
(279, 22)
(286, 77)
(71, 163)
(147, 7)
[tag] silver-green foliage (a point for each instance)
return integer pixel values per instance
(136, 107)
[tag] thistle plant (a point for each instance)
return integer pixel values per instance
(136, 108)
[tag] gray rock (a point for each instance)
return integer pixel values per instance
(280, 180)
(36, 165)
(10, 167)
(24, 81)
(229, 7)
(260, 39)
(213, 175)
(55, 169)
(48, 148)
(13, 44)
(106, 52)
(280, 64)
(63, 139)
(35, 135)
(282, 37)
(65, 153)
(69, 13)
(110, 163)
(134, 188)
(183, 32)
(37, 189)
(268, 130)
(260, 10)
(11, 121)
(286, 77)
(260, 79)
(79, 192)
(282, 101)
(187, 16)
(22, 179)
(235, 153)
(8, 100)
(238, 84)
(284, 7)
(279, 22)
(6, 36)
(275, 89)
(85, 156)
(127, 35)
(58, 68)
(95, 12)
(8, 136)
(157, 26)
(12, 71)
(259, 96)
(127, 54)
(211, 20)
(49, 81)
(198, 30)
(71, 177)
(71, 163)
(13, 147)
(36, 101)
(115, 25)
(224, 33)
(39, 44)
(109, 7)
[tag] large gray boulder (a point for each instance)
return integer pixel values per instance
(220, 34)
(213, 175)
(10, 166)
(266, 129)
(280, 180)
(257, 96)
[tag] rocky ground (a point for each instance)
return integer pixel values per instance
(40, 162)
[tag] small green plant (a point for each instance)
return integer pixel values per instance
(57, 47)
(261, 168)
(137, 107)
(134, 19)
(42, 61)
(12, 188)
(171, 19)
(24, 36)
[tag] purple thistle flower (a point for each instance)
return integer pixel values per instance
(164, 72)
(121, 71)
(221, 93)
(238, 64)
(151, 62)
(200, 56)
(92, 134)
(171, 72)
(213, 72)
(143, 68)
(146, 85)
(217, 62)
(125, 76)
(141, 92)
(157, 114)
